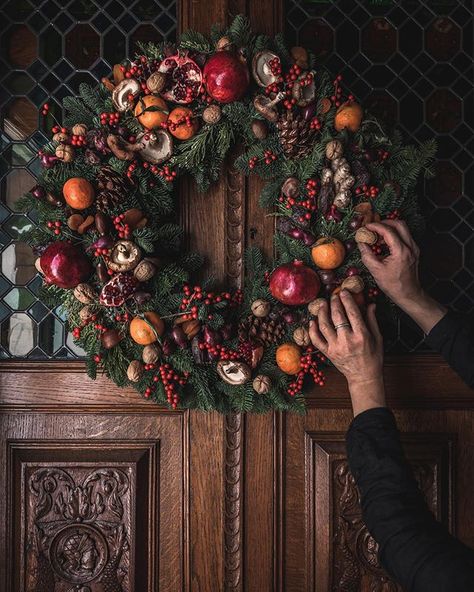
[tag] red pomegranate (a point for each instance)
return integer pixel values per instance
(183, 79)
(65, 265)
(294, 283)
(226, 77)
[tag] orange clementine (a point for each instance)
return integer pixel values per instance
(151, 111)
(146, 330)
(328, 252)
(180, 128)
(78, 193)
(288, 358)
(348, 116)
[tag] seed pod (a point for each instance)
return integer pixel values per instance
(102, 223)
(101, 270)
(135, 371)
(75, 221)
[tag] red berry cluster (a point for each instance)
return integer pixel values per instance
(207, 298)
(111, 118)
(141, 70)
(275, 66)
(171, 381)
(393, 215)
(308, 202)
(45, 110)
(204, 96)
(54, 226)
(122, 318)
(121, 227)
(383, 155)
(99, 327)
(56, 129)
(219, 352)
(97, 358)
(377, 249)
(309, 365)
(173, 125)
(101, 252)
(315, 124)
(289, 103)
(131, 169)
(370, 191)
(292, 75)
(269, 156)
(253, 162)
(78, 141)
(76, 332)
(166, 173)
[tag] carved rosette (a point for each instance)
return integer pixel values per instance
(78, 521)
(355, 552)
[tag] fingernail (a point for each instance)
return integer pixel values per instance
(311, 323)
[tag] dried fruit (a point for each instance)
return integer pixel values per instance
(78, 193)
(110, 338)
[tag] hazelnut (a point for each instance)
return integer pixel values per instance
(135, 371)
(260, 308)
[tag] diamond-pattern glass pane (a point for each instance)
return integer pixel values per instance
(410, 63)
(47, 49)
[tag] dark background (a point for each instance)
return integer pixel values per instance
(408, 62)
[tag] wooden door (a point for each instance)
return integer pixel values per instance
(103, 491)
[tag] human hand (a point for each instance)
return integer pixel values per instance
(396, 274)
(353, 345)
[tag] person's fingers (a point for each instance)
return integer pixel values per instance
(338, 314)
(373, 324)
(401, 227)
(352, 311)
(389, 235)
(316, 337)
(369, 258)
(324, 323)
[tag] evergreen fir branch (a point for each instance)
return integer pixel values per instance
(194, 41)
(240, 31)
(76, 111)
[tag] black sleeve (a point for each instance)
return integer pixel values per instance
(453, 338)
(415, 549)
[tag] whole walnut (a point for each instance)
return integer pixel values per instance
(364, 235)
(151, 354)
(354, 284)
(315, 305)
(212, 114)
(334, 149)
(144, 271)
(65, 152)
(301, 336)
(80, 129)
(85, 294)
(156, 82)
(260, 308)
(135, 371)
(86, 313)
(262, 384)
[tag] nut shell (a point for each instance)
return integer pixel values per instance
(144, 271)
(334, 149)
(135, 371)
(80, 129)
(364, 235)
(301, 336)
(260, 308)
(315, 305)
(354, 284)
(259, 129)
(262, 384)
(156, 82)
(151, 354)
(212, 114)
(85, 294)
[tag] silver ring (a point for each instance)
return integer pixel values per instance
(340, 325)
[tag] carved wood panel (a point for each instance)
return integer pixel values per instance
(342, 555)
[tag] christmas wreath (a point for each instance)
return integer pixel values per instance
(109, 250)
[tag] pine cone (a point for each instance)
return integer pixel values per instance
(113, 188)
(296, 135)
(266, 330)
